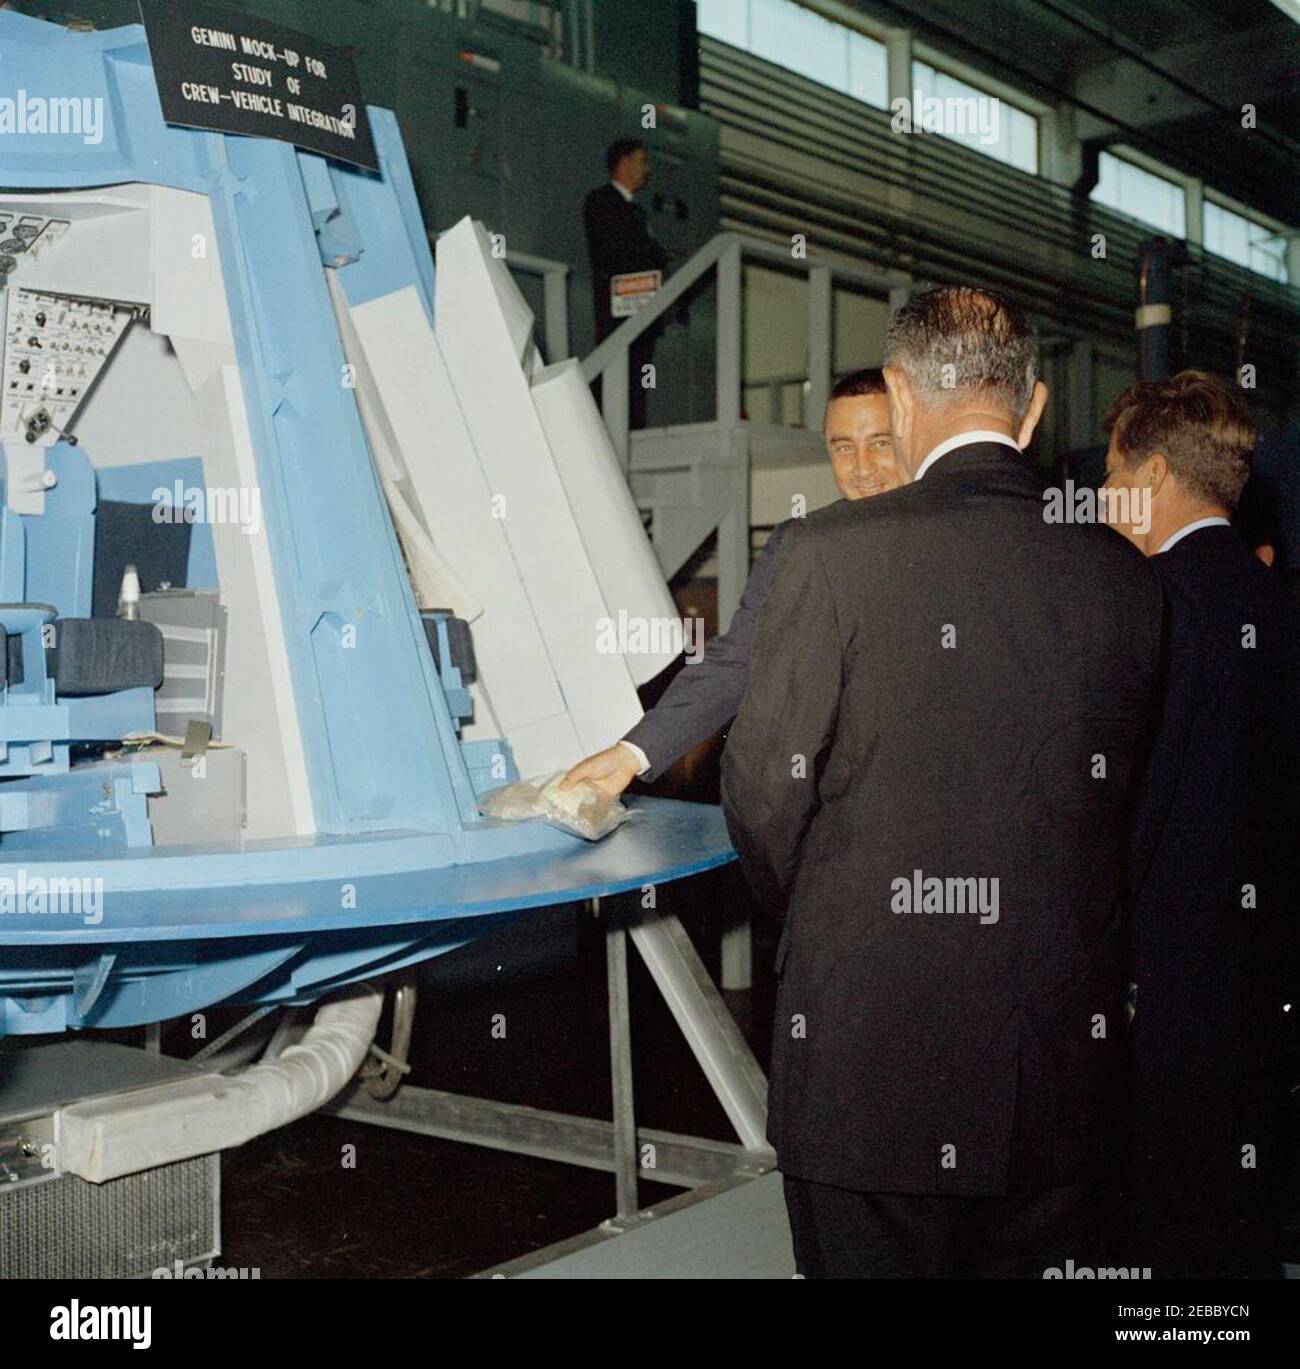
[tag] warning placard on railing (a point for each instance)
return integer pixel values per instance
(632, 291)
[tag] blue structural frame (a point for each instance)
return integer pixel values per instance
(403, 867)
(46, 574)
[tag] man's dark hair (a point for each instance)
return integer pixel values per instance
(957, 341)
(868, 382)
(620, 148)
(1196, 423)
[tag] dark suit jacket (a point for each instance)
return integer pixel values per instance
(925, 1052)
(617, 241)
(704, 697)
(1217, 810)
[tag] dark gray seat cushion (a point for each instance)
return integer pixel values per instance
(103, 655)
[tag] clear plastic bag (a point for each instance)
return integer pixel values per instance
(585, 810)
(514, 802)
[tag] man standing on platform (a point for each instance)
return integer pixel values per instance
(625, 259)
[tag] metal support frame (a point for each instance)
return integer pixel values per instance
(619, 1146)
(620, 1067)
(555, 300)
(615, 409)
(701, 471)
(614, 1227)
(697, 475)
(725, 253)
(710, 1030)
(730, 335)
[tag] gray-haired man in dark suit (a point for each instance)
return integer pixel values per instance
(931, 771)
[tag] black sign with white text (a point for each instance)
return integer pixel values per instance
(234, 73)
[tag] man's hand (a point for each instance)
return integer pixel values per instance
(611, 770)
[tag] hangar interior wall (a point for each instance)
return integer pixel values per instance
(798, 157)
(514, 138)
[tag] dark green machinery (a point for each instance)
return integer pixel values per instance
(506, 108)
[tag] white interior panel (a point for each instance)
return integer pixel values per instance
(103, 255)
(188, 295)
(476, 340)
(432, 453)
(143, 408)
(629, 573)
(260, 715)
(435, 583)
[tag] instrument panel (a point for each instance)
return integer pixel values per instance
(55, 346)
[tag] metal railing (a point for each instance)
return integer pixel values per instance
(726, 254)
(771, 391)
(555, 299)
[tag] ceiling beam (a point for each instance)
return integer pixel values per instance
(1249, 67)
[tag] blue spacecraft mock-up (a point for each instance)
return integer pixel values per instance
(302, 550)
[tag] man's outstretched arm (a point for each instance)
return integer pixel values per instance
(702, 700)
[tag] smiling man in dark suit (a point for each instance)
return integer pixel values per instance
(1212, 875)
(931, 770)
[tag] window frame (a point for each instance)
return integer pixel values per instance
(1275, 227)
(1189, 185)
(984, 85)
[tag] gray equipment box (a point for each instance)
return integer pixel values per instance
(57, 1226)
(193, 627)
(202, 799)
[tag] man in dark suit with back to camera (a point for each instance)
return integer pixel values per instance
(1212, 874)
(931, 769)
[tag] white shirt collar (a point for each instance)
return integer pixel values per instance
(1218, 521)
(623, 190)
(962, 440)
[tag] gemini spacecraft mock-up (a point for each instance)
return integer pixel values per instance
(275, 490)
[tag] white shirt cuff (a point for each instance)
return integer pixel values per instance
(642, 760)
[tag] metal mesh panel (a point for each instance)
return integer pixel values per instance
(66, 1228)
